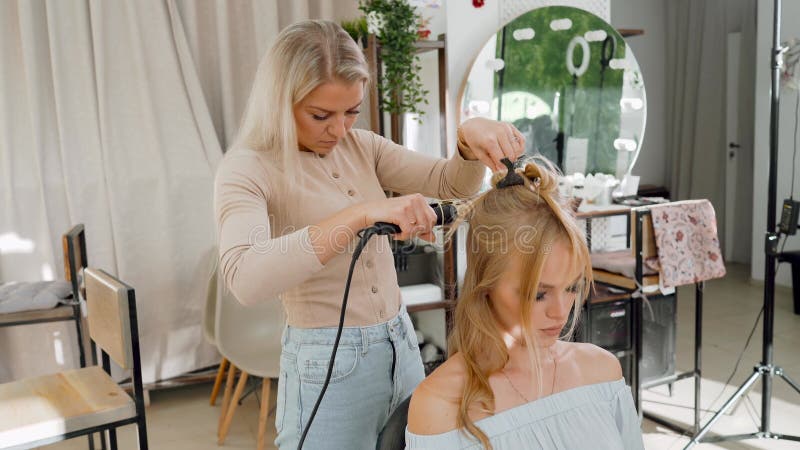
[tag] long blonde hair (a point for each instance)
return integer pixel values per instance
(305, 55)
(496, 220)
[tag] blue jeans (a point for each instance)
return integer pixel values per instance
(376, 368)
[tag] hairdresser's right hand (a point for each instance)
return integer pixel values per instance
(410, 212)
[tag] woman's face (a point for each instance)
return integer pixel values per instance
(558, 287)
(326, 114)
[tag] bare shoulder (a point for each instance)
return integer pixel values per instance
(434, 405)
(594, 364)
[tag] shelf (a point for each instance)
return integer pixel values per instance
(615, 279)
(428, 45)
(607, 211)
(441, 304)
(422, 45)
(628, 32)
(425, 296)
(605, 294)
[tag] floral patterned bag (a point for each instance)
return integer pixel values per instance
(688, 246)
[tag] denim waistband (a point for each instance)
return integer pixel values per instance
(393, 329)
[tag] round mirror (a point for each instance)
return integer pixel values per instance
(569, 82)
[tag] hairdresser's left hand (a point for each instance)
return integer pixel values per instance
(489, 141)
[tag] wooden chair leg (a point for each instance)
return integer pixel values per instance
(234, 403)
(226, 397)
(218, 382)
(264, 413)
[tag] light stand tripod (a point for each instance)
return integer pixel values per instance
(765, 369)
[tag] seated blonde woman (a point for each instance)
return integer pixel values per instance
(512, 381)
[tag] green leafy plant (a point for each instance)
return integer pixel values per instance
(395, 24)
(357, 29)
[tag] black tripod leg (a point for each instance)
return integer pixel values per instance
(636, 375)
(739, 392)
(698, 344)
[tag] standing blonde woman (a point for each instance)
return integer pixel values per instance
(291, 193)
(512, 383)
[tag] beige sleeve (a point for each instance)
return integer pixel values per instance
(405, 171)
(255, 266)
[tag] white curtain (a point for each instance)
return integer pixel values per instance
(228, 38)
(115, 115)
(696, 106)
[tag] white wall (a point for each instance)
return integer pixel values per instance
(423, 135)
(790, 27)
(649, 50)
(468, 28)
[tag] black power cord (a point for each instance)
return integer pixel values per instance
(746, 345)
(364, 236)
(738, 361)
(794, 152)
(446, 213)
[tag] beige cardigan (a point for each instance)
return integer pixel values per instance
(264, 245)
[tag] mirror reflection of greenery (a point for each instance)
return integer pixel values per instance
(538, 66)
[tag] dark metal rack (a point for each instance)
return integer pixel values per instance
(377, 125)
(639, 216)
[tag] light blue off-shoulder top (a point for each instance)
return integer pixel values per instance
(592, 417)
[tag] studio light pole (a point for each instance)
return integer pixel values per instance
(765, 370)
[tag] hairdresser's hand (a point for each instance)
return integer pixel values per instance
(410, 212)
(489, 141)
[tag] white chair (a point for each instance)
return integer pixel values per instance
(249, 337)
(209, 332)
(393, 435)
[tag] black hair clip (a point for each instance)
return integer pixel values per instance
(512, 178)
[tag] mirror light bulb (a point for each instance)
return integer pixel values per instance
(631, 103)
(479, 107)
(495, 64)
(561, 24)
(627, 145)
(524, 34)
(595, 35)
(618, 64)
